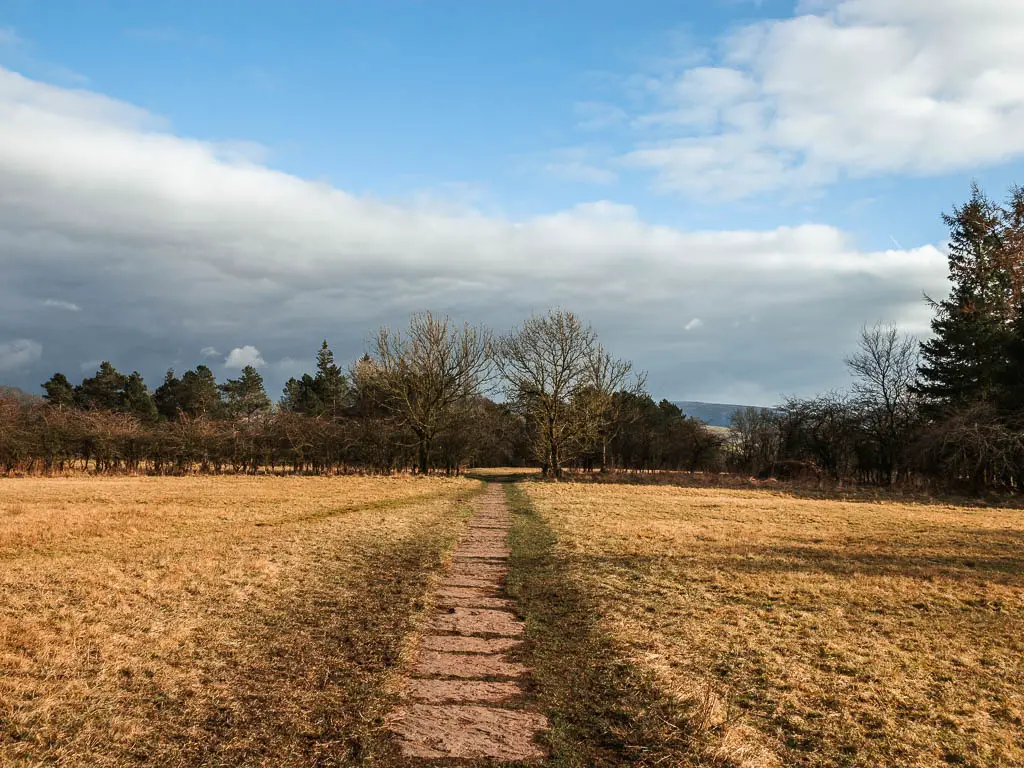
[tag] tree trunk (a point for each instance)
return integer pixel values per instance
(604, 454)
(424, 451)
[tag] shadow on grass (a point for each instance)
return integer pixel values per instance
(985, 555)
(604, 711)
(802, 490)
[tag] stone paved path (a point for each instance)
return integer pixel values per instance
(463, 692)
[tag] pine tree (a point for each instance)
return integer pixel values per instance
(245, 395)
(964, 361)
(199, 394)
(59, 391)
(136, 399)
(300, 396)
(167, 396)
(331, 385)
(102, 391)
(325, 393)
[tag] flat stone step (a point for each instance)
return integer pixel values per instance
(488, 555)
(473, 581)
(475, 602)
(478, 621)
(469, 732)
(486, 536)
(463, 691)
(466, 665)
(479, 570)
(468, 592)
(461, 644)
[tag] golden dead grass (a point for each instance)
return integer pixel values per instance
(210, 621)
(809, 632)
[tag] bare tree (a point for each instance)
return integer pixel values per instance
(885, 366)
(428, 375)
(609, 377)
(756, 439)
(546, 365)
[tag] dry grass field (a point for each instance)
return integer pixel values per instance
(751, 628)
(210, 621)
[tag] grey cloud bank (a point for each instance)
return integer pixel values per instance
(173, 249)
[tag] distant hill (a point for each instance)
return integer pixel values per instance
(19, 394)
(712, 414)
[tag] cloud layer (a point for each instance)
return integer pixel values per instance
(170, 246)
(848, 88)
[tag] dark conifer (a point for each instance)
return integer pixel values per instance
(963, 362)
(59, 391)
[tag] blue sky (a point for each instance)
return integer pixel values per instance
(657, 147)
(458, 100)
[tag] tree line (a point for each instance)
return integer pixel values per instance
(424, 397)
(436, 395)
(948, 410)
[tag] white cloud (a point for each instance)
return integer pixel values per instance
(174, 247)
(849, 88)
(58, 304)
(209, 352)
(19, 353)
(580, 164)
(693, 324)
(239, 357)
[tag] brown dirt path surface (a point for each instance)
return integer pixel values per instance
(464, 692)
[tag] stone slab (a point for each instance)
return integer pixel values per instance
(478, 569)
(475, 602)
(466, 665)
(463, 691)
(468, 732)
(477, 621)
(473, 581)
(460, 644)
(482, 551)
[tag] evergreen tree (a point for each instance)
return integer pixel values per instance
(59, 391)
(102, 391)
(167, 396)
(245, 395)
(964, 361)
(331, 384)
(137, 400)
(1011, 381)
(199, 394)
(326, 393)
(300, 396)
